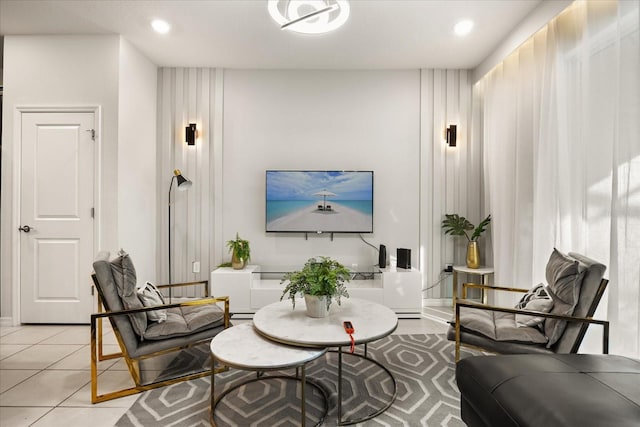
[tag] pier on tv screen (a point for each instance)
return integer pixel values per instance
(319, 201)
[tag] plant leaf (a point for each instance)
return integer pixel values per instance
(481, 228)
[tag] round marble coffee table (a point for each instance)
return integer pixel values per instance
(371, 321)
(240, 347)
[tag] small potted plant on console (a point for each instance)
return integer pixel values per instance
(240, 252)
(320, 280)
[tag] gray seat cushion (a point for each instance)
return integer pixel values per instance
(498, 326)
(182, 321)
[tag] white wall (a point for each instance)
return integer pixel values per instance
(58, 71)
(137, 210)
(321, 120)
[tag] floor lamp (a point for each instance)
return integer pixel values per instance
(183, 185)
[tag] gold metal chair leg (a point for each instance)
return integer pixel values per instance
(101, 355)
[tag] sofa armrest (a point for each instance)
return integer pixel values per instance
(201, 301)
(471, 304)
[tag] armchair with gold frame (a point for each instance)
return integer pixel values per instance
(189, 324)
(592, 288)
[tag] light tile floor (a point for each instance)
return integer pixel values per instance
(45, 374)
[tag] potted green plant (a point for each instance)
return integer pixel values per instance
(457, 225)
(321, 280)
(240, 252)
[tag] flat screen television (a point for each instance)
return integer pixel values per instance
(319, 201)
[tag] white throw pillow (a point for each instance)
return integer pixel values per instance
(150, 296)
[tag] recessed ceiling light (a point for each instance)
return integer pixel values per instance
(160, 26)
(464, 27)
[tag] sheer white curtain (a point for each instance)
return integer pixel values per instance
(560, 127)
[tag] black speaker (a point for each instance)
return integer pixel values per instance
(404, 258)
(382, 256)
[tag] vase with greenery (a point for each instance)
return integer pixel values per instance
(457, 225)
(321, 280)
(240, 252)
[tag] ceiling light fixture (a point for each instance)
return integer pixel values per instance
(160, 26)
(309, 16)
(463, 28)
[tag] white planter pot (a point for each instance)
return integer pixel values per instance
(316, 305)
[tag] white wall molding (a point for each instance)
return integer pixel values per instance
(216, 197)
(187, 95)
(449, 176)
(7, 322)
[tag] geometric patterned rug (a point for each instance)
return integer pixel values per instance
(422, 365)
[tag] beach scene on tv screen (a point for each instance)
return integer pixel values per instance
(311, 201)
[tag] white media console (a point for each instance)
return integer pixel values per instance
(255, 286)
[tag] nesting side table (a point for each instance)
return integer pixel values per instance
(240, 347)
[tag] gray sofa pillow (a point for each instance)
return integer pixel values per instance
(564, 278)
(124, 274)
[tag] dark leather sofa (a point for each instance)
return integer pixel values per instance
(538, 390)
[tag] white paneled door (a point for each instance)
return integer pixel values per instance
(56, 217)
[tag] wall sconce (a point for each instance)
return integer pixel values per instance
(191, 134)
(451, 135)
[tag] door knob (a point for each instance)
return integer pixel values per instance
(25, 228)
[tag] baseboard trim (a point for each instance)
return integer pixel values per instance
(436, 302)
(6, 321)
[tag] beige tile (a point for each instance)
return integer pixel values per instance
(47, 388)
(38, 356)
(109, 338)
(10, 378)
(32, 334)
(6, 330)
(107, 382)
(81, 360)
(439, 312)
(106, 326)
(420, 326)
(73, 335)
(81, 417)
(7, 350)
(21, 417)
(108, 349)
(120, 365)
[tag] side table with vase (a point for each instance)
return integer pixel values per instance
(483, 271)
